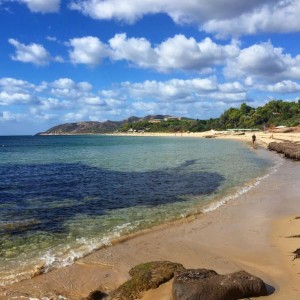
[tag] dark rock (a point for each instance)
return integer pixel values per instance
(289, 149)
(96, 295)
(202, 284)
(294, 236)
(144, 277)
(297, 253)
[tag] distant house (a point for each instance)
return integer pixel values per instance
(172, 118)
(130, 130)
(154, 121)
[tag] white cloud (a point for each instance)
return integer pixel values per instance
(32, 53)
(178, 52)
(283, 87)
(51, 100)
(222, 17)
(231, 87)
(63, 83)
(137, 50)
(188, 91)
(263, 61)
(48, 104)
(12, 85)
(7, 116)
(195, 11)
(149, 107)
(249, 81)
(93, 100)
(275, 16)
(87, 50)
(42, 6)
(73, 116)
(11, 98)
(67, 88)
(15, 91)
(52, 38)
(65, 100)
(84, 86)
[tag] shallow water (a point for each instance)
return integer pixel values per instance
(63, 197)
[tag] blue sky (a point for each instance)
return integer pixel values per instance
(93, 60)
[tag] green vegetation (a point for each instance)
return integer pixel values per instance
(274, 113)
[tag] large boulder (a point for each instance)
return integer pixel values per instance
(202, 284)
(144, 277)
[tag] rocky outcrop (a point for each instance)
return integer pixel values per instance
(297, 253)
(144, 277)
(289, 149)
(96, 295)
(208, 285)
(193, 284)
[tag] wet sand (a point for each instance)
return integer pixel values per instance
(249, 233)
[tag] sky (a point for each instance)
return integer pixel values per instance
(65, 61)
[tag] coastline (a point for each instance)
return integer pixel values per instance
(262, 138)
(194, 243)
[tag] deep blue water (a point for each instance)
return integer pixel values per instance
(63, 196)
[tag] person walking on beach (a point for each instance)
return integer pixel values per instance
(253, 139)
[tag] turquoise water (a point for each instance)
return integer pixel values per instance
(61, 197)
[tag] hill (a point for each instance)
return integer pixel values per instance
(274, 113)
(93, 127)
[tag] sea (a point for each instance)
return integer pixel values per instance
(63, 197)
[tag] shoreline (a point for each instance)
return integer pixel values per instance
(108, 267)
(262, 138)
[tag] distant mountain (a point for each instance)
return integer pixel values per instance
(272, 114)
(92, 127)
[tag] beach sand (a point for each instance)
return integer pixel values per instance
(248, 233)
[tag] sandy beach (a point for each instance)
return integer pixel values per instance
(249, 233)
(262, 138)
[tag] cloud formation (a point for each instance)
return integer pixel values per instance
(264, 62)
(66, 100)
(32, 53)
(282, 87)
(42, 6)
(180, 11)
(187, 91)
(87, 50)
(221, 17)
(7, 116)
(176, 53)
(256, 63)
(274, 16)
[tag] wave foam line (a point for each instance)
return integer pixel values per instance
(51, 261)
(215, 205)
